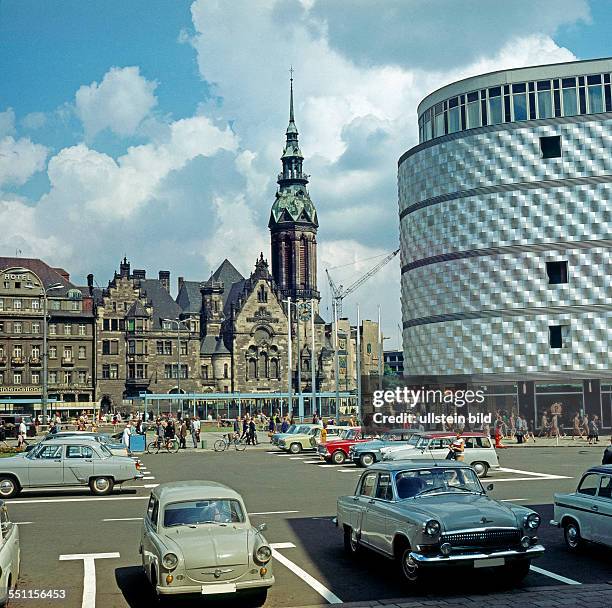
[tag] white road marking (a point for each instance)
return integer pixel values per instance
(148, 477)
(123, 519)
(88, 499)
(557, 577)
(89, 573)
(513, 499)
(22, 523)
(307, 578)
(532, 473)
(312, 461)
(273, 512)
(149, 485)
(352, 471)
(551, 478)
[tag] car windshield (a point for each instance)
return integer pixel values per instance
(410, 484)
(303, 429)
(348, 434)
(291, 429)
(104, 451)
(212, 511)
(414, 440)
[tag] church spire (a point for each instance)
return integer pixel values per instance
(291, 119)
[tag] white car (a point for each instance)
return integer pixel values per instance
(586, 514)
(479, 451)
(9, 555)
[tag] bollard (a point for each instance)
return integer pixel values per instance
(204, 444)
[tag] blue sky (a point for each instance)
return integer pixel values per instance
(154, 128)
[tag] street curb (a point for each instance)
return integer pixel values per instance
(562, 596)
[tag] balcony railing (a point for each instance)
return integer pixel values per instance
(35, 361)
(67, 361)
(17, 361)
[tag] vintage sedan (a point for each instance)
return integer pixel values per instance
(479, 451)
(294, 429)
(197, 539)
(586, 514)
(9, 554)
(66, 463)
(116, 447)
(336, 450)
(366, 454)
(308, 441)
(425, 515)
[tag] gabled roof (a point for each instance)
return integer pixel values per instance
(164, 307)
(227, 273)
(189, 297)
(136, 310)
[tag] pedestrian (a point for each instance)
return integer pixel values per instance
(519, 431)
(284, 425)
(271, 428)
(499, 423)
(528, 433)
(245, 428)
(183, 435)
(594, 430)
(577, 429)
(585, 425)
(237, 425)
(195, 431)
(21, 434)
(323, 436)
(125, 438)
(252, 436)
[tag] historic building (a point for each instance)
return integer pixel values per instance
(70, 339)
(144, 341)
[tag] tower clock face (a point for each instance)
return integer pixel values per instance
(304, 311)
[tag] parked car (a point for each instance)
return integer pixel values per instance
(366, 454)
(9, 554)
(66, 462)
(425, 515)
(586, 514)
(298, 442)
(479, 451)
(12, 422)
(293, 430)
(336, 450)
(197, 539)
(117, 448)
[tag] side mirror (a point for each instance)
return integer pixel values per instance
(262, 527)
(490, 487)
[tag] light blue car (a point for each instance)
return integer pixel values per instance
(367, 453)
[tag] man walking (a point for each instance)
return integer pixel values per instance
(252, 436)
(607, 455)
(195, 431)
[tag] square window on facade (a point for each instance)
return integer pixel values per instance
(557, 272)
(558, 335)
(550, 146)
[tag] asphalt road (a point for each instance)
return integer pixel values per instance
(296, 497)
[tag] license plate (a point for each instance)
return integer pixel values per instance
(489, 563)
(222, 588)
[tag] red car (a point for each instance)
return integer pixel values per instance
(336, 450)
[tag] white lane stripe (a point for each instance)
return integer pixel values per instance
(521, 472)
(123, 519)
(513, 499)
(272, 512)
(39, 500)
(148, 477)
(351, 471)
(89, 574)
(551, 478)
(307, 578)
(312, 461)
(557, 577)
(22, 523)
(149, 485)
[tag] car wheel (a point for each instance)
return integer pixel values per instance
(518, 570)
(366, 460)
(8, 487)
(409, 567)
(571, 533)
(481, 468)
(256, 598)
(295, 448)
(351, 541)
(338, 457)
(101, 485)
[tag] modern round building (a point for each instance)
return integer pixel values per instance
(506, 237)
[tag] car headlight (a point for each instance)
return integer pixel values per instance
(263, 554)
(432, 527)
(170, 561)
(532, 521)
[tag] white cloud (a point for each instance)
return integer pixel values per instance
(120, 102)
(7, 122)
(19, 160)
(34, 120)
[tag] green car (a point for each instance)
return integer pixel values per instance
(308, 441)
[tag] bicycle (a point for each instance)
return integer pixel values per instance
(171, 445)
(224, 443)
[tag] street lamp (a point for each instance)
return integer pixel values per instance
(179, 323)
(45, 291)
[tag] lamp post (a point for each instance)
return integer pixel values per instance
(178, 323)
(45, 291)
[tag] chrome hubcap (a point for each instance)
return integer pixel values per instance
(410, 568)
(101, 484)
(6, 487)
(353, 540)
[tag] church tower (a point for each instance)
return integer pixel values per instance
(293, 224)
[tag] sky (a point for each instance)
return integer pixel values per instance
(153, 128)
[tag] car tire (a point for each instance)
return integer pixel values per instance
(572, 536)
(256, 598)
(295, 448)
(338, 457)
(517, 571)
(9, 487)
(100, 486)
(351, 541)
(366, 460)
(409, 568)
(481, 468)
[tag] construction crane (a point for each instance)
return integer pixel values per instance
(338, 291)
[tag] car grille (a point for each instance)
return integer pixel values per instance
(494, 537)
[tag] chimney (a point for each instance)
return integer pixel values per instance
(181, 281)
(164, 279)
(124, 269)
(140, 274)
(90, 283)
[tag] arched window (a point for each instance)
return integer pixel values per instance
(274, 368)
(288, 269)
(252, 369)
(263, 365)
(225, 370)
(303, 262)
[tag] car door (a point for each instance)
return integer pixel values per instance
(585, 502)
(602, 520)
(438, 447)
(365, 499)
(46, 468)
(375, 515)
(149, 528)
(78, 464)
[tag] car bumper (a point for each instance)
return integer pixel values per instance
(555, 523)
(197, 589)
(464, 558)
(139, 476)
